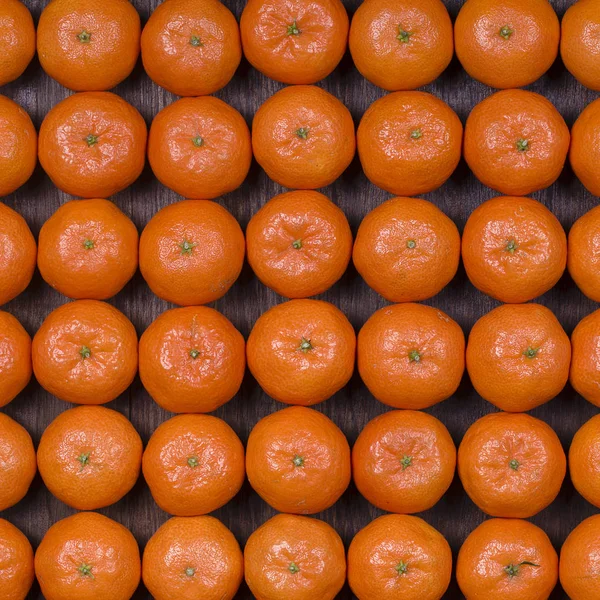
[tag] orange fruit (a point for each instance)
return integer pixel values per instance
(294, 558)
(583, 256)
(399, 556)
(403, 461)
(299, 243)
(298, 460)
(18, 143)
(93, 144)
(516, 142)
(511, 465)
(407, 249)
(585, 362)
(88, 556)
(17, 38)
(192, 360)
(514, 249)
(191, 252)
(90, 457)
(200, 147)
(411, 355)
(15, 358)
(584, 155)
(583, 460)
(505, 559)
(85, 352)
(401, 45)
(296, 42)
(88, 249)
(506, 44)
(409, 143)
(302, 351)
(303, 137)
(518, 356)
(193, 464)
(16, 560)
(191, 47)
(190, 558)
(89, 46)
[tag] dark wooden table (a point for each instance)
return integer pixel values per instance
(455, 515)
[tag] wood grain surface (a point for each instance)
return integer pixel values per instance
(455, 515)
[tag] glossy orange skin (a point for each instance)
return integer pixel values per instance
(16, 563)
(403, 461)
(498, 544)
(411, 355)
(407, 249)
(85, 352)
(192, 252)
(583, 257)
(497, 363)
(379, 549)
(18, 146)
(294, 558)
(190, 558)
(401, 45)
(409, 143)
(193, 464)
(17, 38)
(585, 137)
(501, 487)
(90, 457)
(291, 374)
(298, 460)
(15, 358)
(517, 57)
(191, 47)
(89, 45)
(92, 543)
(200, 147)
(583, 460)
(496, 127)
(88, 249)
(303, 137)
(514, 249)
(585, 361)
(93, 144)
(192, 360)
(272, 45)
(299, 243)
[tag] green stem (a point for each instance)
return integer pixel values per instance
(293, 29)
(297, 244)
(85, 37)
(416, 134)
(406, 461)
(414, 356)
(531, 352)
(187, 247)
(514, 464)
(403, 35)
(85, 352)
(512, 570)
(302, 133)
(193, 462)
(85, 570)
(298, 461)
(506, 32)
(401, 568)
(196, 41)
(293, 568)
(91, 140)
(305, 345)
(522, 145)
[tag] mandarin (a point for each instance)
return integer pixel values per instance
(15, 358)
(583, 460)
(585, 361)
(17, 39)
(16, 563)
(583, 256)
(584, 153)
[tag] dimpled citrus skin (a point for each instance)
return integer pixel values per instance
(85, 352)
(298, 460)
(585, 138)
(89, 45)
(498, 545)
(516, 142)
(90, 457)
(399, 556)
(15, 358)
(411, 355)
(302, 351)
(190, 558)
(191, 47)
(514, 249)
(18, 146)
(299, 243)
(583, 256)
(17, 38)
(193, 464)
(88, 556)
(403, 461)
(303, 137)
(200, 147)
(583, 460)
(407, 249)
(518, 356)
(192, 359)
(294, 557)
(93, 144)
(585, 362)
(409, 143)
(16, 563)
(401, 45)
(511, 465)
(192, 252)
(506, 44)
